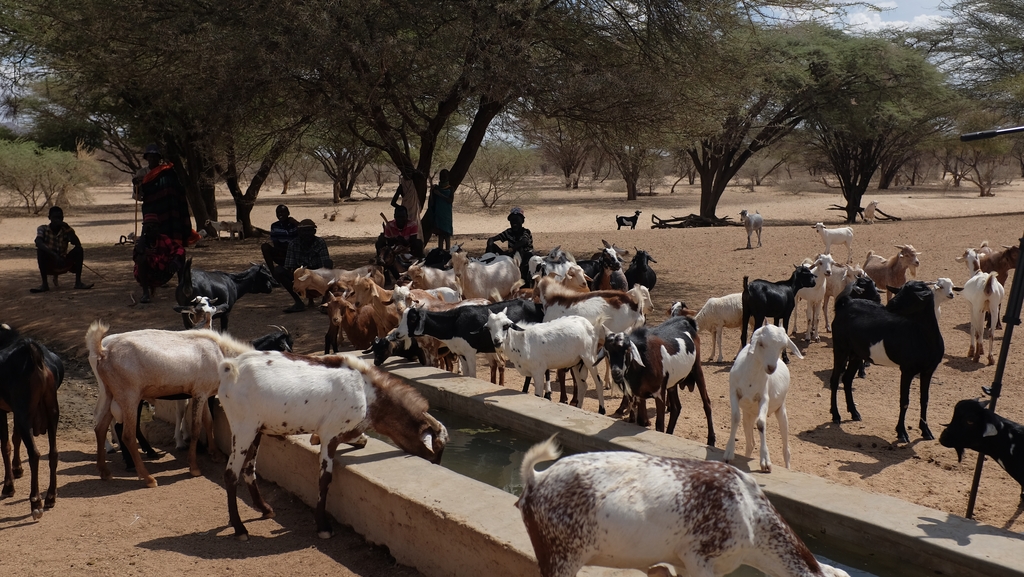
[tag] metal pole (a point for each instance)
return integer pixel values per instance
(989, 133)
(1013, 309)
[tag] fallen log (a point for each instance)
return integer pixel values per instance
(691, 221)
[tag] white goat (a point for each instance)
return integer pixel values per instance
(985, 295)
(620, 311)
(832, 236)
(480, 280)
(753, 223)
(635, 511)
(869, 212)
(154, 363)
(821, 268)
(334, 397)
(562, 343)
(758, 383)
(718, 314)
(428, 277)
(835, 284)
(943, 289)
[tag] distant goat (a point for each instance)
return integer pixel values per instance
(634, 511)
(629, 221)
(753, 223)
(832, 236)
(230, 227)
(869, 212)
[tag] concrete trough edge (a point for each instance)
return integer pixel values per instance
(912, 539)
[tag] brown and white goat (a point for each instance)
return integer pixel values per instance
(154, 363)
(335, 397)
(634, 511)
(892, 272)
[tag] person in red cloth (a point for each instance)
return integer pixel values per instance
(401, 232)
(166, 226)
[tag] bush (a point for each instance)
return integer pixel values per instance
(38, 178)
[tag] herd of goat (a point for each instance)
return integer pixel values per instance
(578, 313)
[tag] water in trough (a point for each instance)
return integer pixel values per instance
(493, 456)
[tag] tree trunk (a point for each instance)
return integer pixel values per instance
(631, 188)
(284, 186)
(336, 189)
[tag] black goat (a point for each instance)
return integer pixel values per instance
(629, 221)
(903, 333)
(227, 288)
(439, 258)
(762, 298)
(640, 272)
(650, 363)
(463, 329)
(387, 347)
(976, 427)
(30, 375)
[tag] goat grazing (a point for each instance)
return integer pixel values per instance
(154, 363)
(753, 223)
(902, 334)
(758, 384)
(652, 362)
(226, 288)
(536, 349)
(891, 272)
(974, 426)
(335, 397)
(832, 236)
(984, 295)
(30, 375)
(629, 221)
(763, 299)
(634, 511)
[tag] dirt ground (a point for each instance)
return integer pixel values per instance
(181, 526)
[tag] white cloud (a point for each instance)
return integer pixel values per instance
(873, 21)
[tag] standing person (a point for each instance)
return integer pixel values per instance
(282, 232)
(439, 208)
(410, 201)
(519, 240)
(164, 214)
(52, 253)
(307, 250)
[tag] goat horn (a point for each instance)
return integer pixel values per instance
(434, 423)
(280, 328)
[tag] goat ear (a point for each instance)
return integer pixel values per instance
(990, 430)
(635, 354)
(795, 349)
(958, 288)
(651, 258)
(892, 289)
(428, 440)
(516, 327)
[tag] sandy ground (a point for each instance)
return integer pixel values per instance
(181, 526)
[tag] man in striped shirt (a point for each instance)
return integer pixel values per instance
(52, 252)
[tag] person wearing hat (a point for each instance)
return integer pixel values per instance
(52, 252)
(519, 240)
(166, 225)
(282, 232)
(307, 250)
(401, 231)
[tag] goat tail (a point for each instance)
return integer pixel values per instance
(94, 339)
(544, 451)
(990, 282)
(746, 279)
(228, 369)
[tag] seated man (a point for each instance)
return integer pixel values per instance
(307, 250)
(157, 259)
(401, 232)
(282, 232)
(52, 253)
(519, 240)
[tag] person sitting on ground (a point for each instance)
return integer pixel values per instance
(157, 258)
(52, 253)
(308, 250)
(282, 232)
(519, 240)
(401, 232)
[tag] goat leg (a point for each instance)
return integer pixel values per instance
(51, 493)
(5, 448)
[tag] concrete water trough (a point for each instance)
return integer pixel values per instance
(443, 523)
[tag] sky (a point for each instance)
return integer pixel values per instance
(901, 13)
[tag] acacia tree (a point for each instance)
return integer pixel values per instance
(886, 100)
(564, 142)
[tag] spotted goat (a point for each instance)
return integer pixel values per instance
(636, 511)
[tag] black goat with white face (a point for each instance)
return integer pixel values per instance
(629, 221)
(976, 427)
(902, 334)
(226, 288)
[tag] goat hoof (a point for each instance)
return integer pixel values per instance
(152, 455)
(600, 411)
(37, 513)
(242, 536)
(325, 534)
(854, 416)
(50, 503)
(194, 472)
(547, 396)
(151, 483)
(269, 514)
(837, 419)
(8, 491)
